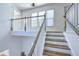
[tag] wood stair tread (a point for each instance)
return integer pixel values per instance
(57, 46)
(57, 40)
(56, 43)
(55, 34)
(57, 50)
(54, 37)
(54, 53)
(50, 54)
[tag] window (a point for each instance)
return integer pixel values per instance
(16, 23)
(34, 20)
(49, 17)
(41, 18)
(16, 14)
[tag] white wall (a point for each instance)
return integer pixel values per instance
(6, 40)
(73, 40)
(71, 37)
(59, 13)
(28, 41)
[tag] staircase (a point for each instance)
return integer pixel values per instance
(56, 45)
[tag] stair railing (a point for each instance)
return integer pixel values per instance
(67, 21)
(24, 20)
(35, 42)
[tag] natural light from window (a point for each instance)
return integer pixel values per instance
(34, 20)
(49, 17)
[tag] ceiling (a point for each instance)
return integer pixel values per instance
(23, 6)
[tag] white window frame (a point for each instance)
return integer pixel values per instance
(34, 19)
(52, 19)
(40, 19)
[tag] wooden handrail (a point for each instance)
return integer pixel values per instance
(35, 42)
(27, 17)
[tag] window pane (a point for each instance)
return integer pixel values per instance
(34, 14)
(42, 13)
(50, 14)
(16, 14)
(16, 25)
(50, 18)
(34, 20)
(23, 24)
(49, 22)
(41, 18)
